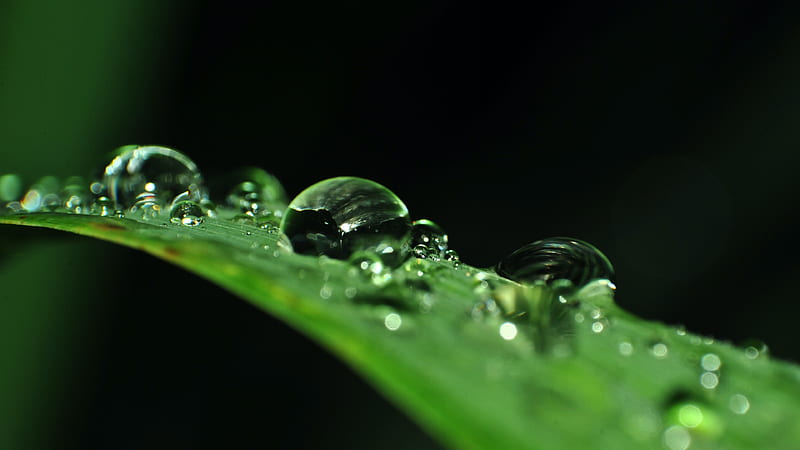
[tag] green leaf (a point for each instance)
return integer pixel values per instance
(485, 363)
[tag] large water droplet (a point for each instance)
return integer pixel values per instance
(556, 258)
(147, 178)
(339, 216)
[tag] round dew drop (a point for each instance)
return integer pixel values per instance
(186, 213)
(554, 259)
(256, 193)
(340, 216)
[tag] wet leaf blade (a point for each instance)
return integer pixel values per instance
(457, 376)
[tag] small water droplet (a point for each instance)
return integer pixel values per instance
(392, 321)
(739, 404)
(484, 309)
(103, 206)
(597, 326)
(256, 193)
(659, 350)
(508, 331)
(339, 216)
(690, 415)
(371, 265)
(556, 258)
(350, 292)
(141, 178)
(326, 291)
(710, 362)
(452, 256)
(755, 349)
(422, 251)
(709, 380)
(186, 213)
(427, 232)
(625, 348)
(76, 196)
(43, 195)
(677, 437)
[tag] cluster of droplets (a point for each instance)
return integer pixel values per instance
(151, 183)
(359, 221)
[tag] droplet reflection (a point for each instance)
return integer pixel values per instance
(392, 321)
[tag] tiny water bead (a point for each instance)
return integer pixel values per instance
(659, 350)
(145, 178)
(186, 213)
(556, 258)
(739, 404)
(392, 321)
(339, 216)
(75, 195)
(710, 362)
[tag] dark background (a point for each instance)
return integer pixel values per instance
(664, 134)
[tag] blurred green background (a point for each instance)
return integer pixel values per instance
(664, 134)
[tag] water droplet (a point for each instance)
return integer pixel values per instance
(739, 404)
(326, 291)
(10, 187)
(144, 178)
(423, 251)
(597, 326)
(76, 196)
(42, 195)
(339, 216)
(428, 233)
(350, 292)
(186, 213)
(755, 349)
(392, 321)
(625, 348)
(660, 350)
(508, 331)
(256, 193)
(103, 206)
(677, 437)
(452, 256)
(709, 380)
(690, 416)
(556, 258)
(372, 266)
(710, 362)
